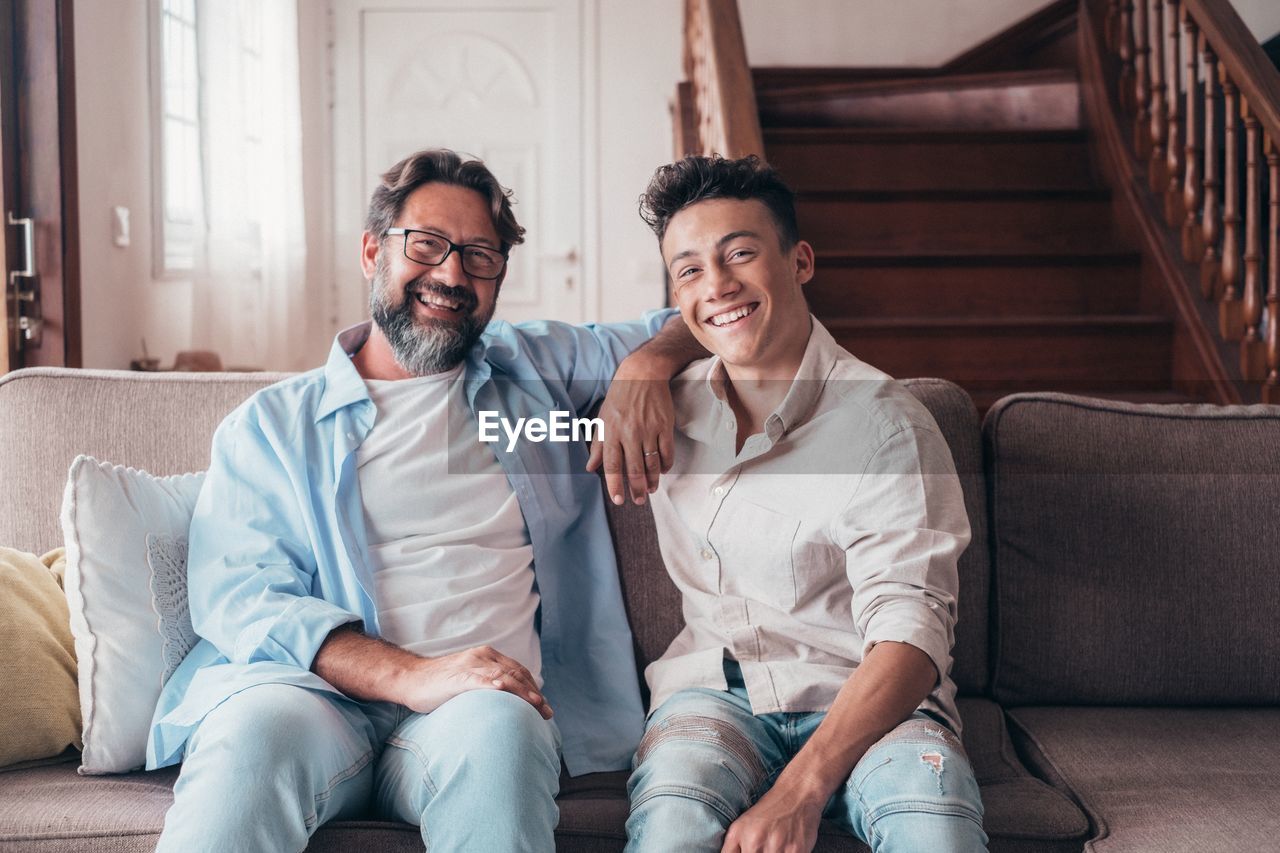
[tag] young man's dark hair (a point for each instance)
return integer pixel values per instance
(697, 178)
(441, 166)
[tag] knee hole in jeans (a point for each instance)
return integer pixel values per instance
(923, 731)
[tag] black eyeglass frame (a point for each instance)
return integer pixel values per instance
(453, 247)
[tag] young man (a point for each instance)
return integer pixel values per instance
(812, 521)
(389, 608)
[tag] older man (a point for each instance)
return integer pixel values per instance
(390, 608)
(812, 521)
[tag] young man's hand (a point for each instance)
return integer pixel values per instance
(777, 823)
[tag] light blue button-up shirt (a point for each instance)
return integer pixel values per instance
(277, 551)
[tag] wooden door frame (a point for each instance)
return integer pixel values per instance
(37, 49)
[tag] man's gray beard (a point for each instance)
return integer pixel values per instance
(421, 348)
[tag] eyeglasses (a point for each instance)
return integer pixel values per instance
(432, 249)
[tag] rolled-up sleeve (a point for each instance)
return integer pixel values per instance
(251, 569)
(585, 357)
(903, 532)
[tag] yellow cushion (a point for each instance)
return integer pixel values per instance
(39, 705)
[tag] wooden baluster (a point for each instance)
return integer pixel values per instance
(1128, 102)
(1210, 217)
(1141, 82)
(1173, 213)
(1253, 363)
(1111, 26)
(1192, 246)
(1229, 320)
(1159, 108)
(1271, 388)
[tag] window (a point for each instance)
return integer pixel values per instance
(191, 131)
(178, 200)
(227, 171)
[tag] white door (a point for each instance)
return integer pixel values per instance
(501, 81)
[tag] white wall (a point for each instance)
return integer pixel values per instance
(640, 48)
(873, 32)
(317, 173)
(120, 302)
(636, 66)
(1262, 17)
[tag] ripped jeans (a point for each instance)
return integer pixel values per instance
(705, 759)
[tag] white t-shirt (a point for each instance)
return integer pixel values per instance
(452, 563)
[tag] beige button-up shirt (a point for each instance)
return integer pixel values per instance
(836, 528)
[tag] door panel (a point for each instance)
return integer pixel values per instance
(501, 82)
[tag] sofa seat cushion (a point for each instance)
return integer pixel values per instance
(1177, 780)
(53, 809)
(1017, 805)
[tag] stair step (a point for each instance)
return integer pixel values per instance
(1005, 222)
(913, 83)
(878, 285)
(912, 159)
(1017, 352)
(767, 78)
(1043, 98)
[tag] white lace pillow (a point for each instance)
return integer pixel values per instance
(167, 559)
(126, 535)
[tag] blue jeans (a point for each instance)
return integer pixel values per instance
(272, 763)
(705, 759)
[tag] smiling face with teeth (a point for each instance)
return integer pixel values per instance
(426, 318)
(738, 288)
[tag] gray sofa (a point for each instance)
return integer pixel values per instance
(1115, 653)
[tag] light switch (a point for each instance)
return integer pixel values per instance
(120, 226)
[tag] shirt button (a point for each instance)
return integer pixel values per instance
(718, 491)
(706, 554)
(729, 425)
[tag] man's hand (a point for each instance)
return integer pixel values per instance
(431, 682)
(639, 424)
(372, 670)
(778, 823)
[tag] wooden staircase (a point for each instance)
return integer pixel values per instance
(962, 232)
(1088, 201)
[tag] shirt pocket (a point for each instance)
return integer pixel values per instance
(755, 547)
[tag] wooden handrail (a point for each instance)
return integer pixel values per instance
(1240, 53)
(1214, 207)
(719, 100)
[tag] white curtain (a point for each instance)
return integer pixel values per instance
(250, 296)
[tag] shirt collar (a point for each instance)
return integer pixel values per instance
(819, 360)
(343, 384)
(820, 354)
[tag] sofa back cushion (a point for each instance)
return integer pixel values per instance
(1136, 550)
(164, 423)
(653, 602)
(161, 423)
